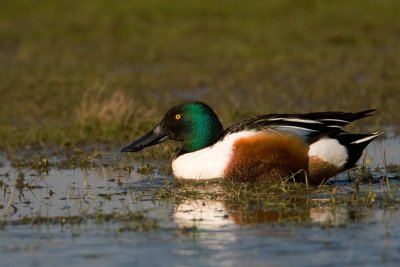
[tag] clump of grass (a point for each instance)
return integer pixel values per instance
(393, 168)
(97, 105)
(19, 182)
(364, 172)
(43, 165)
(146, 169)
(102, 112)
(179, 191)
(137, 222)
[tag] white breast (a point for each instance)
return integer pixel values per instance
(209, 162)
(329, 150)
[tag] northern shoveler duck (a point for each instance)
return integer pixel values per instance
(310, 147)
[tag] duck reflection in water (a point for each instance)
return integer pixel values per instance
(213, 214)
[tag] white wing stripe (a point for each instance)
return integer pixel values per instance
(295, 120)
(295, 127)
(337, 120)
(365, 139)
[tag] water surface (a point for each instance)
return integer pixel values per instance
(107, 215)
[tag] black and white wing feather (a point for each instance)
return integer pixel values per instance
(310, 126)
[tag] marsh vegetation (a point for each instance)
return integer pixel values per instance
(101, 72)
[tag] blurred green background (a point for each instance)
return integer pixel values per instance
(96, 71)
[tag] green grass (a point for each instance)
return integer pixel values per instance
(242, 58)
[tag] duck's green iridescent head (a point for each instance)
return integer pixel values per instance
(193, 123)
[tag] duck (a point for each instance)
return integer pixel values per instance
(308, 147)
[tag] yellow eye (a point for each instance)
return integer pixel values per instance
(178, 116)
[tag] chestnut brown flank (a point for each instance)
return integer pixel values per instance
(271, 156)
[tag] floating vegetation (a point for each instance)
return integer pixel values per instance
(98, 182)
(134, 221)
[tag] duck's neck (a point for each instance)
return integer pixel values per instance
(201, 137)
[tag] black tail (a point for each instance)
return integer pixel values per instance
(337, 118)
(360, 115)
(339, 115)
(355, 144)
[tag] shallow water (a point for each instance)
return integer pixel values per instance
(371, 243)
(108, 215)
